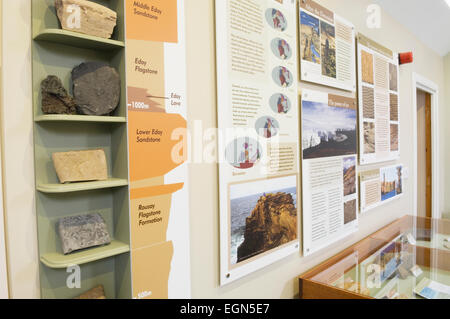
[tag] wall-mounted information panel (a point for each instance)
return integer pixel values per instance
(329, 169)
(327, 47)
(380, 186)
(257, 108)
(379, 111)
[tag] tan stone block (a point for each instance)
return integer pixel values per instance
(86, 17)
(81, 166)
(94, 293)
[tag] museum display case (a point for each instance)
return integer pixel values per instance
(407, 259)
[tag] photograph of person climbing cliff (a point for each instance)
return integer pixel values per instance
(263, 216)
(328, 45)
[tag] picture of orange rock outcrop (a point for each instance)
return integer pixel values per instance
(272, 223)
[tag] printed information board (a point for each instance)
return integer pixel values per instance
(380, 186)
(258, 120)
(379, 111)
(327, 47)
(329, 169)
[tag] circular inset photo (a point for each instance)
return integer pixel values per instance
(281, 49)
(243, 153)
(280, 103)
(282, 77)
(276, 19)
(267, 126)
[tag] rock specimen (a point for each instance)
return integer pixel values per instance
(96, 88)
(80, 232)
(86, 17)
(273, 222)
(80, 166)
(55, 99)
(94, 293)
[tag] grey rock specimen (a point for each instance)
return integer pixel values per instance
(80, 166)
(55, 99)
(86, 17)
(96, 88)
(80, 232)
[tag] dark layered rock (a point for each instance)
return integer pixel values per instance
(272, 223)
(55, 99)
(80, 232)
(96, 88)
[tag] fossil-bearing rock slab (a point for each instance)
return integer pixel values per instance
(80, 232)
(55, 99)
(86, 17)
(95, 293)
(81, 166)
(96, 88)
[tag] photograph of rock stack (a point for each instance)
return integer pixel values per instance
(263, 217)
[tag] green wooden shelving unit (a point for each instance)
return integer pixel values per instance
(57, 52)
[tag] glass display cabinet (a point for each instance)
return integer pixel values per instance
(409, 258)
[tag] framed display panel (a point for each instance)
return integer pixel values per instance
(329, 169)
(258, 164)
(379, 102)
(57, 52)
(327, 47)
(381, 186)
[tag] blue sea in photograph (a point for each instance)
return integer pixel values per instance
(241, 208)
(388, 195)
(316, 54)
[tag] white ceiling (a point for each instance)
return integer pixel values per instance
(429, 20)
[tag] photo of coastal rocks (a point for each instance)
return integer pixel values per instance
(369, 138)
(309, 38)
(349, 175)
(328, 46)
(394, 137)
(349, 211)
(263, 216)
(367, 67)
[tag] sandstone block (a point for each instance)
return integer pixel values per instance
(94, 293)
(55, 99)
(80, 166)
(96, 88)
(80, 232)
(86, 17)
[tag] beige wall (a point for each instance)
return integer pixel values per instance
(421, 155)
(275, 281)
(3, 268)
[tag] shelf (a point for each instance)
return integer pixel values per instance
(83, 186)
(79, 118)
(57, 260)
(78, 40)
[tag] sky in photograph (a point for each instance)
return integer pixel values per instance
(390, 173)
(310, 21)
(261, 186)
(322, 117)
(349, 162)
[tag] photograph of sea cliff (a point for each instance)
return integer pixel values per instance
(309, 38)
(263, 216)
(349, 175)
(327, 130)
